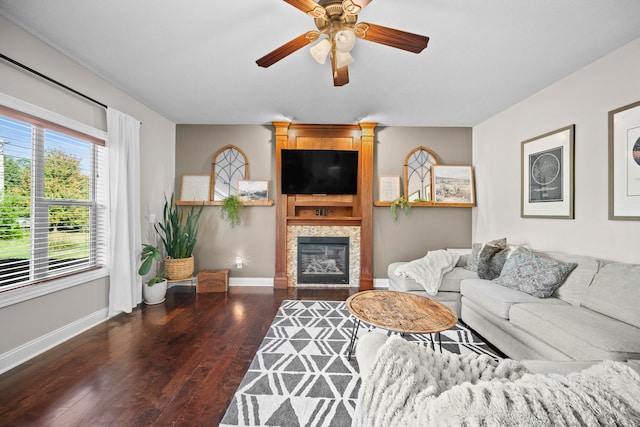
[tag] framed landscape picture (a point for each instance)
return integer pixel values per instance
(624, 163)
(547, 175)
(253, 191)
(453, 185)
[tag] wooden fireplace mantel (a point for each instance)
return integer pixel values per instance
(354, 210)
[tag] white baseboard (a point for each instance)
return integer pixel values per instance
(268, 282)
(251, 281)
(380, 283)
(21, 354)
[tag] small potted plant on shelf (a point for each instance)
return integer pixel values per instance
(155, 289)
(178, 235)
(230, 210)
(399, 203)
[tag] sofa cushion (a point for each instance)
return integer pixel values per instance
(476, 248)
(581, 333)
(533, 273)
(615, 292)
(464, 255)
(578, 281)
(450, 280)
(497, 299)
(491, 261)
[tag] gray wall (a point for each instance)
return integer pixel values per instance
(410, 238)
(49, 315)
(218, 244)
(424, 228)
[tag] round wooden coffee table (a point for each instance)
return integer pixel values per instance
(400, 312)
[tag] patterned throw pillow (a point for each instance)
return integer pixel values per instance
(476, 248)
(491, 261)
(534, 274)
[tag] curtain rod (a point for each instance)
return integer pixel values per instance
(49, 79)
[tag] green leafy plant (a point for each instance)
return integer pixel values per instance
(178, 234)
(230, 210)
(148, 255)
(399, 203)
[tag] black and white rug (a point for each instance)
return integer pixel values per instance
(300, 375)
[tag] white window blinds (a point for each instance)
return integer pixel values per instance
(52, 200)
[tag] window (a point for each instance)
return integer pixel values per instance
(52, 214)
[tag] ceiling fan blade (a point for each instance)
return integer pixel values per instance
(309, 7)
(391, 37)
(340, 75)
(287, 49)
(353, 7)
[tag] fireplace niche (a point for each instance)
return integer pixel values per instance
(323, 260)
(326, 210)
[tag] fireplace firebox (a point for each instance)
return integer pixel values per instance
(323, 260)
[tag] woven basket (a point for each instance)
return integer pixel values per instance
(179, 268)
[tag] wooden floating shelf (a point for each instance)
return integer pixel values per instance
(429, 205)
(219, 203)
(321, 203)
(326, 220)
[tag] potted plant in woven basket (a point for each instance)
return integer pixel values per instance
(179, 235)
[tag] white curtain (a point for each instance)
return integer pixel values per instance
(125, 290)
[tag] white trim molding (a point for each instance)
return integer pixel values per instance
(33, 348)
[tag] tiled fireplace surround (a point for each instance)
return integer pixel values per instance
(352, 232)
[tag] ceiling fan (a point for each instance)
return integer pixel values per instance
(337, 20)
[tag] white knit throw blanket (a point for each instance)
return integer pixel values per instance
(428, 270)
(411, 385)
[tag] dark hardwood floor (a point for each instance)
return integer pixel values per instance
(177, 363)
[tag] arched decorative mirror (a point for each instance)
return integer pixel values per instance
(417, 174)
(229, 165)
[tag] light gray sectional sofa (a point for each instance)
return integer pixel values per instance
(593, 315)
(449, 293)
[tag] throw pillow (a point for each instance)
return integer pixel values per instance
(476, 248)
(491, 261)
(534, 274)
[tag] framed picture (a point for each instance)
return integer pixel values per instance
(253, 191)
(453, 185)
(388, 187)
(195, 188)
(624, 163)
(547, 175)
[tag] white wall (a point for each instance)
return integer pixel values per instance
(35, 324)
(584, 99)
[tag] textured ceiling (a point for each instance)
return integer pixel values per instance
(194, 62)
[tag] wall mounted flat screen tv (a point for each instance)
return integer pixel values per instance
(319, 171)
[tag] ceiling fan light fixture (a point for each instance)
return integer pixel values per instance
(320, 51)
(343, 59)
(345, 40)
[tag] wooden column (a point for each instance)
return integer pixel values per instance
(280, 280)
(367, 144)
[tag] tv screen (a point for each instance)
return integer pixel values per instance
(319, 172)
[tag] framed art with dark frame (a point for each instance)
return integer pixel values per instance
(452, 185)
(547, 175)
(624, 163)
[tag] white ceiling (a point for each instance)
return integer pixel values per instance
(194, 61)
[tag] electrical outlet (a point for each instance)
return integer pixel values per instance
(152, 218)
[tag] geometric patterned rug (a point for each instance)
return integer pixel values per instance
(300, 375)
